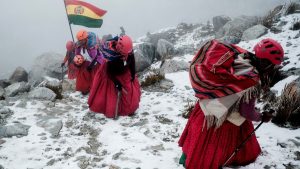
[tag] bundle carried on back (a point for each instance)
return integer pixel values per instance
(222, 77)
(219, 70)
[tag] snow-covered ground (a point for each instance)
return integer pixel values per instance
(147, 140)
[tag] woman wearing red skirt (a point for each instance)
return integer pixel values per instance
(116, 90)
(72, 69)
(227, 87)
(84, 77)
(90, 43)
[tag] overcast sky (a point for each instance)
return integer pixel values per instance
(32, 27)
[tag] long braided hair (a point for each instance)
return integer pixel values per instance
(118, 66)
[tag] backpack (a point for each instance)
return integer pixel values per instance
(212, 72)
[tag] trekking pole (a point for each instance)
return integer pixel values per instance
(62, 78)
(242, 144)
(62, 73)
(117, 105)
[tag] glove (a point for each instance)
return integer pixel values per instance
(267, 115)
(62, 65)
(118, 85)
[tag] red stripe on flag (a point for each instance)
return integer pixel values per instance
(97, 10)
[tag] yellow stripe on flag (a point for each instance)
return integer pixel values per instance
(81, 10)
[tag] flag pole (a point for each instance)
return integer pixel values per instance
(69, 21)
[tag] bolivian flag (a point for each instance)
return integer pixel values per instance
(85, 14)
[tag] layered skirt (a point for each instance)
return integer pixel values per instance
(104, 95)
(209, 149)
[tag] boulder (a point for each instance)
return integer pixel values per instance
(164, 49)
(19, 75)
(17, 129)
(144, 55)
(254, 32)
(48, 64)
(42, 93)
(16, 88)
(53, 84)
(220, 21)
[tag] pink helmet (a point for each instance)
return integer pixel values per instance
(124, 45)
(70, 45)
(78, 60)
(269, 49)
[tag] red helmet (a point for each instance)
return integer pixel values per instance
(82, 34)
(78, 60)
(70, 45)
(124, 45)
(269, 49)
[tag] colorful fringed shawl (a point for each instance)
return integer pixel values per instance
(221, 71)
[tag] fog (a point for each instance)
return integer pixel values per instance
(32, 27)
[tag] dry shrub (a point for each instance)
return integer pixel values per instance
(288, 107)
(188, 108)
(269, 98)
(271, 17)
(56, 89)
(291, 8)
(152, 79)
(276, 76)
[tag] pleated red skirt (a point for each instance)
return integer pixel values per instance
(84, 78)
(103, 94)
(72, 71)
(209, 149)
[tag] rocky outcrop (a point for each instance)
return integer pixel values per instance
(48, 64)
(233, 30)
(170, 34)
